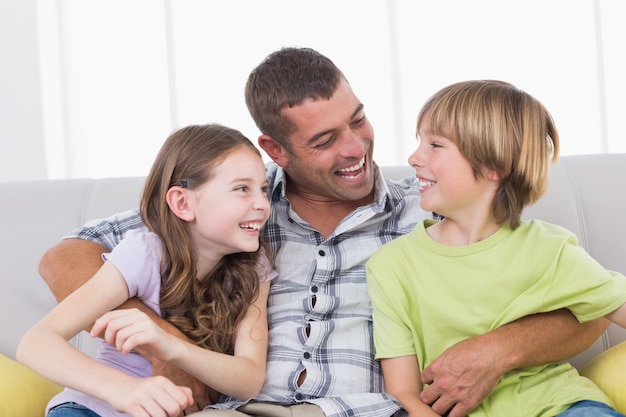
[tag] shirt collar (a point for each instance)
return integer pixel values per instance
(277, 177)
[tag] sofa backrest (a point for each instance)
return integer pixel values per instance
(584, 196)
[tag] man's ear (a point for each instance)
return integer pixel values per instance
(274, 150)
(178, 200)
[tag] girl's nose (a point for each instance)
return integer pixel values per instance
(261, 202)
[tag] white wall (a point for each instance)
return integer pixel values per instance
(21, 126)
(120, 75)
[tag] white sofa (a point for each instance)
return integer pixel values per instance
(585, 196)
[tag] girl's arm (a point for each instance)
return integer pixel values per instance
(402, 380)
(618, 316)
(72, 262)
(45, 349)
(240, 375)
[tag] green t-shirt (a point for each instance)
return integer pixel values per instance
(426, 297)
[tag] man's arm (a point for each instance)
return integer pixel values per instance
(466, 373)
(69, 264)
(72, 262)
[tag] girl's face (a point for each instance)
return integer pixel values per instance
(231, 207)
(447, 182)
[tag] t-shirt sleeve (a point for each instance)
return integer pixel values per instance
(392, 336)
(264, 269)
(587, 288)
(138, 258)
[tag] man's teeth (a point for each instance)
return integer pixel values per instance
(354, 167)
(251, 226)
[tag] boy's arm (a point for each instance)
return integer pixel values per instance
(72, 262)
(402, 380)
(466, 373)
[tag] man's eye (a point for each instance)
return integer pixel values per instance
(325, 144)
(359, 121)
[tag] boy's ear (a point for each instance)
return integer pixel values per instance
(178, 200)
(274, 150)
(492, 175)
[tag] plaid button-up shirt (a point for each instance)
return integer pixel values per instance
(320, 315)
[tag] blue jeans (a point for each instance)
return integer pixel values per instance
(590, 409)
(71, 410)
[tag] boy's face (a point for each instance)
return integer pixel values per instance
(330, 152)
(448, 185)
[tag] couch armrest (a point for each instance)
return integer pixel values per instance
(608, 371)
(23, 392)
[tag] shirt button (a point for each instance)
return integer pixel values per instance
(322, 253)
(306, 355)
(299, 397)
(314, 289)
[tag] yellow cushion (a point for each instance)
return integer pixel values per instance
(608, 371)
(23, 392)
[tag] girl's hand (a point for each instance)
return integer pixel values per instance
(149, 397)
(131, 329)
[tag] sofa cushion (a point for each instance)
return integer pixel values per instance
(23, 392)
(608, 371)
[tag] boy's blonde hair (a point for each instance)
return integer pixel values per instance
(498, 127)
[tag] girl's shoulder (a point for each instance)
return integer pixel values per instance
(137, 246)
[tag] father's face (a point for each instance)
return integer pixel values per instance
(331, 149)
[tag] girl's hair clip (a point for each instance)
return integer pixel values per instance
(184, 183)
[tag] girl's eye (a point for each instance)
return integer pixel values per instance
(242, 188)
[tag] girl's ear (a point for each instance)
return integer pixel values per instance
(178, 200)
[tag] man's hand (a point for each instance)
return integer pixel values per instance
(466, 373)
(461, 378)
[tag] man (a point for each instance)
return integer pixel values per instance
(331, 210)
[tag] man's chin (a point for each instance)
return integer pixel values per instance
(357, 191)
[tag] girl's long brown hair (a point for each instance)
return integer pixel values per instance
(207, 311)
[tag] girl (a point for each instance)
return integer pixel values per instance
(199, 264)
(484, 154)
